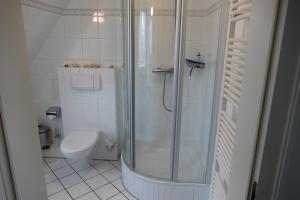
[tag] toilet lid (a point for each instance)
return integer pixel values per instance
(79, 141)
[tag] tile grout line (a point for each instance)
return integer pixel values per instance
(83, 180)
(59, 182)
(112, 180)
(100, 173)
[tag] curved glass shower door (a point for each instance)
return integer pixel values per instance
(154, 49)
(201, 45)
(170, 80)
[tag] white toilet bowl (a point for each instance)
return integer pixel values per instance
(79, 144)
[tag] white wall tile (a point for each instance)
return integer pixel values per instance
(89, 28)
(90, 49)
(74, 4)
(89, 4)
(108, 29)
(90, 113)
(74, 49)
(72, 26)
(59, 29)
(110, 4)
(107, 50)
(56, 48)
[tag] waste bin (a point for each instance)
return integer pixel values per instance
(45, 137)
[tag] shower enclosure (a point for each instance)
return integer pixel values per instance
(171, 75)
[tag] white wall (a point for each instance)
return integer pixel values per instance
(74, 38)
(38, 23)
(19, 125)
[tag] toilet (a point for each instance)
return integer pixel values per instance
(88, 113)
(79, 144)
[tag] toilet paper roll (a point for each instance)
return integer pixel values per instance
(51, 117)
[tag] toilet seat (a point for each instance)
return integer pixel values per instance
(79, 143)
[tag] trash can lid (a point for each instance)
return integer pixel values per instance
(43, 129)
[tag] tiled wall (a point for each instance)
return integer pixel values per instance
(74, 38)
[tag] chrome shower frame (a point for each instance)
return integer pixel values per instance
(178, 71)
(179, 61)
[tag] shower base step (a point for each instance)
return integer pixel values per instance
(145, 188)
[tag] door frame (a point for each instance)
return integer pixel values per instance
(282, 99)
(7, 183)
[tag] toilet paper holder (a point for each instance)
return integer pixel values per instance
(53, 112)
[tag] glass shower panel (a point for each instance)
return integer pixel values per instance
(154, 55)
(202, 36)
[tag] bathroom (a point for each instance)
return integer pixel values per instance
(145, 99)
(80, 39)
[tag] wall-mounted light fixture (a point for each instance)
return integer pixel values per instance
(151, 11)
(98, 17)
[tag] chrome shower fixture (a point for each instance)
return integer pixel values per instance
(165, 71)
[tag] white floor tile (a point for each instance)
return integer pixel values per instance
(106, 191)
(103, 166)
(119, 184)
(50, 177)
(71, 180)
(129, 196)
(63, 195)
(89, 196)
(54, 187)
(49, 160)
(119, 197)
(78, 190)
(72, 161)
(112, 174)
(46, 169)
(62, 172)
(88, 173)
(58, 164)
(80, 165)
(96, 181)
